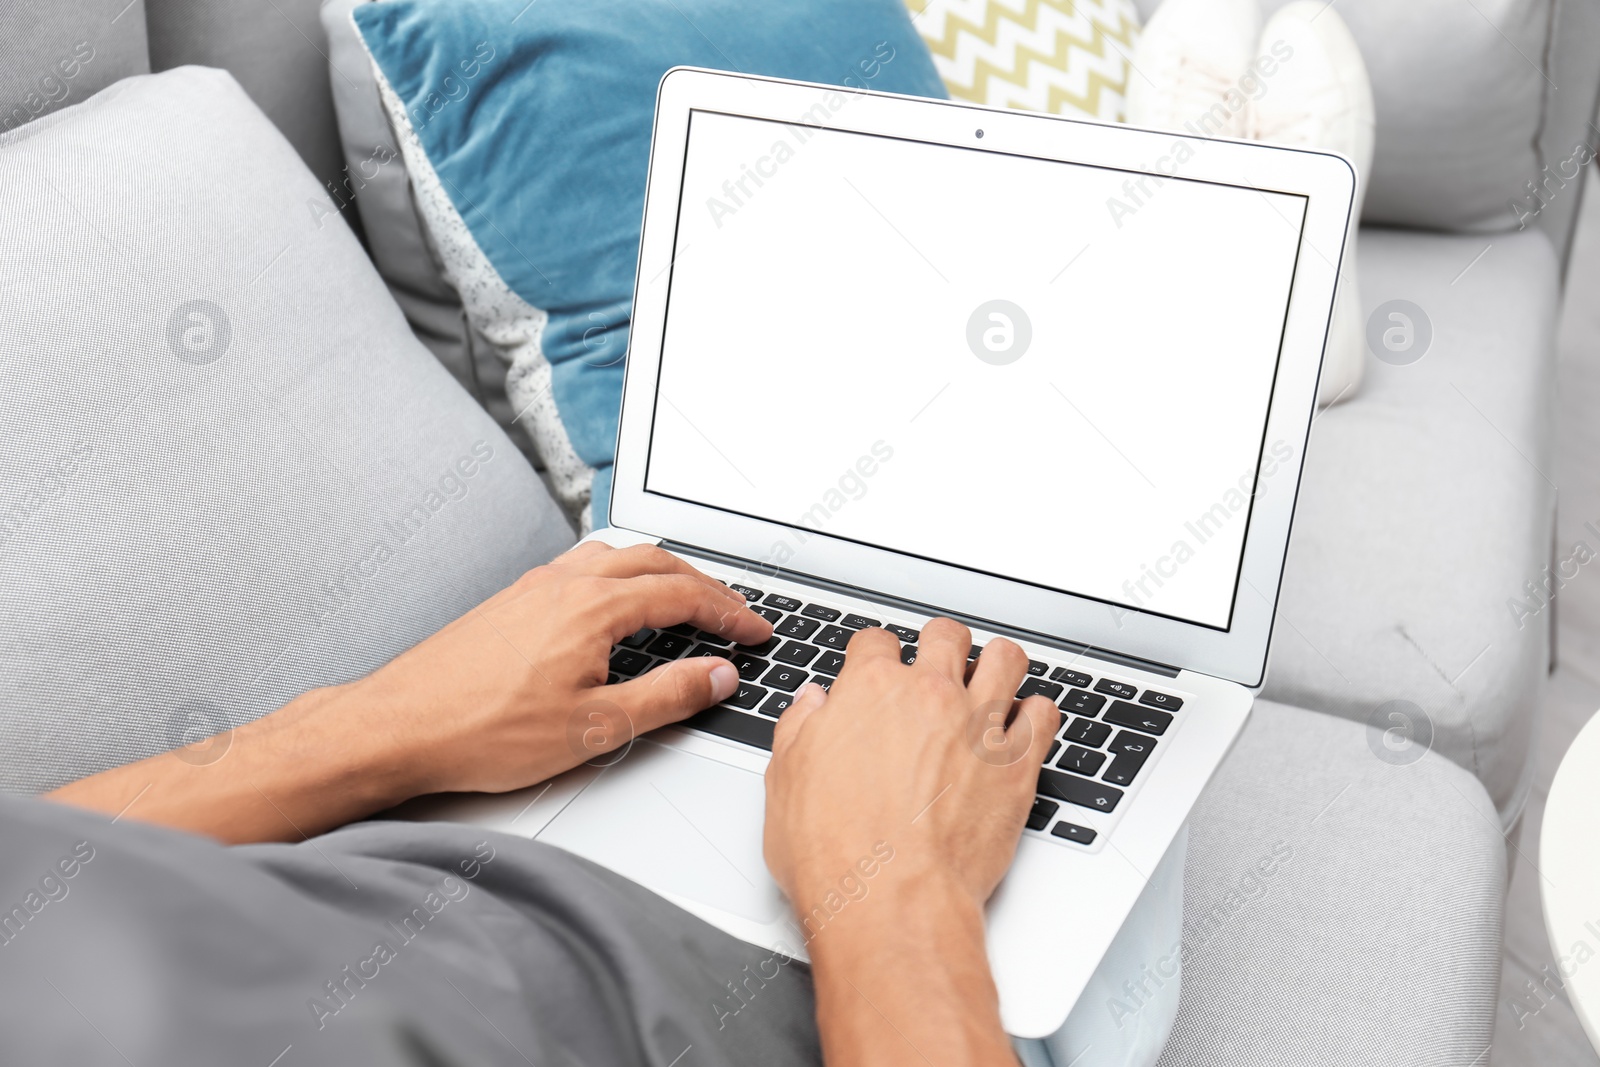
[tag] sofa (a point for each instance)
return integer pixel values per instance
(181, 583)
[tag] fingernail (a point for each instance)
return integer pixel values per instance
(724, 680)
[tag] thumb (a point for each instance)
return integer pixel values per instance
(674, 690)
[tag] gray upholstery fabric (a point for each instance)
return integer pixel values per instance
(1375, 939)
(1423, 510)
(1461, 99)
(396, 237)
(56, 55)
(186, 545)
(1574, 66)
(275, 50)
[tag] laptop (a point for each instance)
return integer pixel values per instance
(895, 358)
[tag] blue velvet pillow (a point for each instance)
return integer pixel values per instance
(534, 120)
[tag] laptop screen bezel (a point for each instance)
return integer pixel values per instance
(1237, 653)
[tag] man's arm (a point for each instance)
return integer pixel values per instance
(509, 694)
(894, 807)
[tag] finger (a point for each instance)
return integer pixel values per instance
(944, 647)
(656, 600)
(673, 691)
(872, 643)
(1001, 667)
(810, 697)
(1041, 717)
(585, 551)
(635, 560)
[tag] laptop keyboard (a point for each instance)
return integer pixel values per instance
(1108, 728)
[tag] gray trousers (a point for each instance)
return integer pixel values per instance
(419, 943)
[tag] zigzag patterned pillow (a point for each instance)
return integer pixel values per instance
(1066, 57)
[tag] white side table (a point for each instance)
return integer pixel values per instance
(1569, 853)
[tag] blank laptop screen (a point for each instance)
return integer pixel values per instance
(1045, 371)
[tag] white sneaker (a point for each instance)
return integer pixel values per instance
(1320, 97)
(1187, 66)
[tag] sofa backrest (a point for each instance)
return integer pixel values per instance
(1475, 101)
(276, 51)
(56, 55)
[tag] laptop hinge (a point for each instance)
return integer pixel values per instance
(1074, 647)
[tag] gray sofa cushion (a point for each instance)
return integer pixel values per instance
(56, 55)
(1374, 939)
(276, 51)
(230, 473)
(1425, 510)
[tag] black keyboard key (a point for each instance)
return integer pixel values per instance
(628, 663)
(1081, 834)
(1055, 746)
(1132, 744)
(612, 679)
(1124, 769)
(824, 681)
(735, 725)
(908, 654)
(1087, 732)
(1077, 678)
(796, 654)
(750, 667)
(1037, 669)
(746, 696)
(684, 628)
(796, 627)
(858, 622)
(833, 637)
(787, 603)
(1083, 702)
(975, 653)
(765, 648)
(1080, 791)
(708, 650)
(751, 595)
(1132, 750)
(1161, 700)
(819, 611)
(772, 615)
(829, 663)
(1043, 811)
(712, 639)
(786, 678)
(1038, 687)
(639, 639)
(1082, 761)
(669, 646)
(1116, 689)
(777, 703)
(905, 633)
(1151, 721)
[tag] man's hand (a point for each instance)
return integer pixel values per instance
(509, 694)
(515, 691)
(936, 772)
(916, 756)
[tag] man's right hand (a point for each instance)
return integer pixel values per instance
(916, 763)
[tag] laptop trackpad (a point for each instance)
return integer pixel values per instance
(676, 823)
